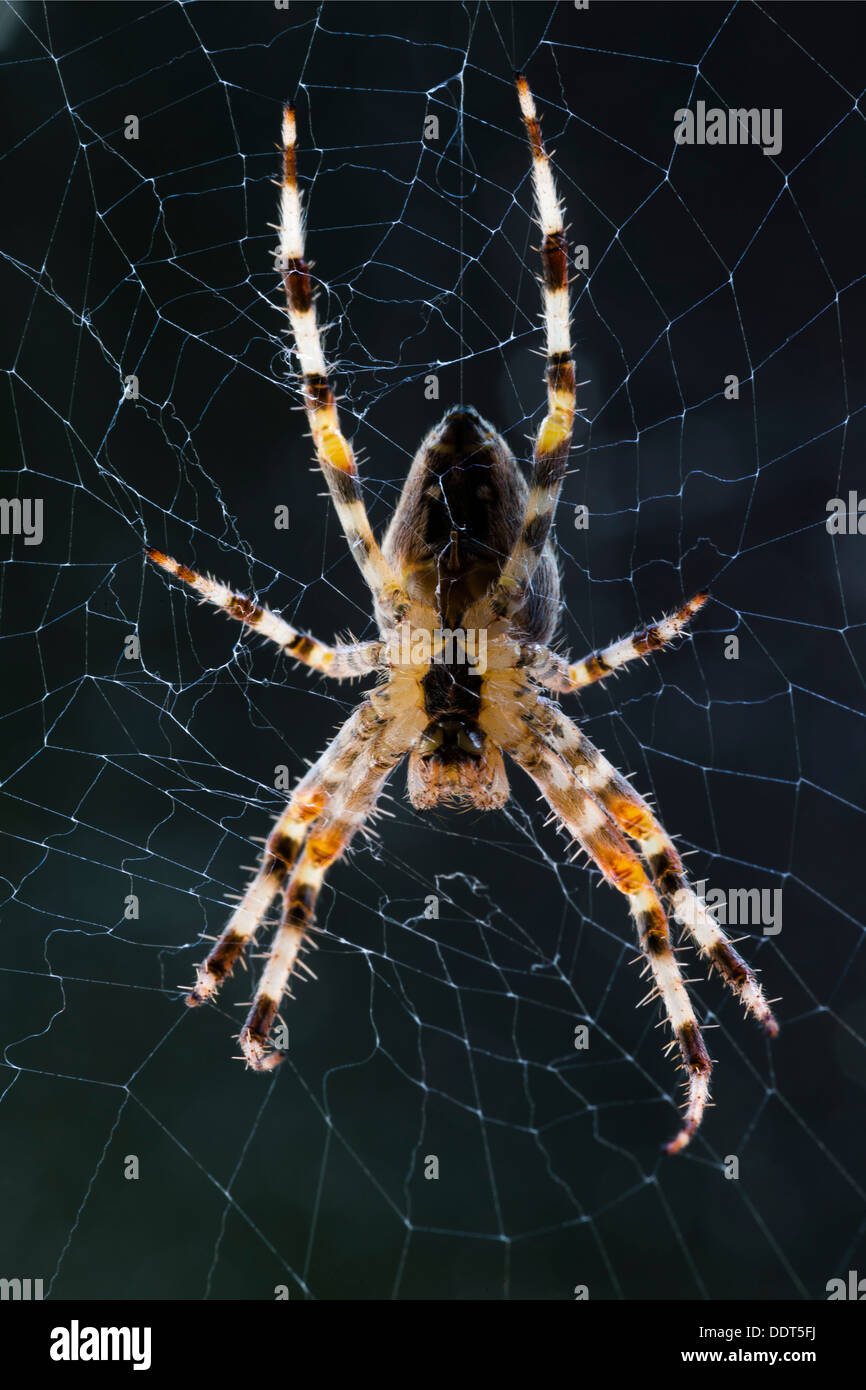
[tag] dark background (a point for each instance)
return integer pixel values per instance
(451, 1037)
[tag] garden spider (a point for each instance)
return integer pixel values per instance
(468, 552)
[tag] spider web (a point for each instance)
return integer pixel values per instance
(137, 782)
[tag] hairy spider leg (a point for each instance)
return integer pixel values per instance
(348, 809)
(636, 818)
(340, 662)
(308, 803)
(596, 833)
(557, 673)
(553, 441)
(333, 450)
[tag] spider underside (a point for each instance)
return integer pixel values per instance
(468, 554)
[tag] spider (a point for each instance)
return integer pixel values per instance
(468, 554)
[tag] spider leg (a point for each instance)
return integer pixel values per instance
(634, 816)
(308, 802)
(342, 661)
(350, 807)
(333, 450)
(597, 834)
(553, 440)
(556, 673)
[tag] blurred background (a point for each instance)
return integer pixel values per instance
(136, 783)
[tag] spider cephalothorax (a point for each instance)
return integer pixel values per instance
(465, 589)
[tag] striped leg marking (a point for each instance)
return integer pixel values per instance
(340, 662)
(308, 803)
(632, 814)
(553, 441)
(350, 807)
(597, 834)
(333, 450)
(556, 673)
(708, 936)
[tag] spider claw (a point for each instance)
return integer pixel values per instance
(258, 1052)
(697, 1062)
(698, 1089)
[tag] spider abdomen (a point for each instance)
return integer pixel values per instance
(457, 520)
